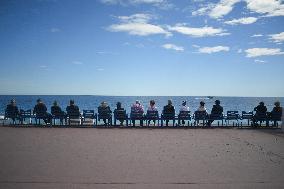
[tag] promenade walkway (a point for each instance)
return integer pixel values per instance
(36, 158)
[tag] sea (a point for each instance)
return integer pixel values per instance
(91, 102)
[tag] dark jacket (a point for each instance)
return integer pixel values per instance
(40, 109)
(277, 110)
(104, 109)
(217, 109)
(56, 110)
(260, 109)
(12, 111)
(169, 109)
(72, 109)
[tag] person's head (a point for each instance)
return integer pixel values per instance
(184, 103)
(13, 102)
(170, 102)
(202, 103)
(137, 102)
(217, 102)
(39, 101)
(118, 105)
(152, 102)
(71, 102)
(55, 103)
(277, 104)
(261, 103)
(104, 104)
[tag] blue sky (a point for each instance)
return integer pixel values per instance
(142, 47)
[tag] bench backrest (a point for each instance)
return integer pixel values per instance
(25, 113)
(152, 114)
(120, 114)
(200, 115)
(136, 115)
(88, 114)
(232, 115)
(184, 115)
(247, 115)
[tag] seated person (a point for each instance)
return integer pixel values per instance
(169, 110)
(217, 110)
(73, 109)
(12, 110)
(277, 108)
(137, 108)
(276, 111)
(119, 108)
(260, 110)
(56, 111)
(183, 108)
(104, 108)
(201, 109)
(41, 111)
(152, 108)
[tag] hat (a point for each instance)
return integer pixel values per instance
(202, 102)
(277, 103)
(217, 101)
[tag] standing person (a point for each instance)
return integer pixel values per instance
(137, 109)
(41, 111)
(260, 110)
(12, 110)
(119, 108)
(57, 111)
(169, 110)
(152, 108)
(183, 108)
(104, 109)
(217, 110)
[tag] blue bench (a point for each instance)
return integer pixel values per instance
(200, 116)
(152, 115)
(232, 116)
(184, 116)
(120, 115)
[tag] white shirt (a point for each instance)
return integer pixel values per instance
(201, 108)
(184, 108)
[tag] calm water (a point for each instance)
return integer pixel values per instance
(92, 102)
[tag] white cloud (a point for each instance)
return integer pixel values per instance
(277, 38)
(247, 20)
(198, 32)
(259, 61)
(255, 52)
(222, 8)
(267, 7)
(77, 62)
(257, 35)
(173, 47)
(162, 4)
(54, 30)
(209, 50)
(137, 24)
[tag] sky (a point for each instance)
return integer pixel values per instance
(142, 47)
